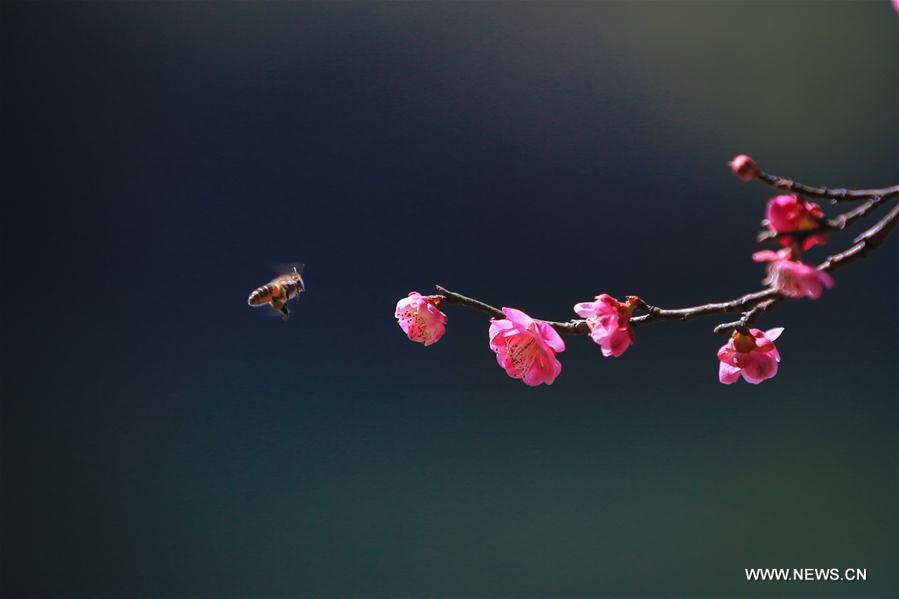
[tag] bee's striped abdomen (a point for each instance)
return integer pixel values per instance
(264, 295)
(259, 296)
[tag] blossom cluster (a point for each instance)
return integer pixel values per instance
(527, 348)
(799, 225)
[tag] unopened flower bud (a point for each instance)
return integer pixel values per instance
(744, 167)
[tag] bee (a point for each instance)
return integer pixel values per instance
(279, 291)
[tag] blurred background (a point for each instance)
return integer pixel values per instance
(162, 439)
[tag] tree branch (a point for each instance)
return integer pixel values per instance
(864, 243)
(757, 301)
(653, 314)
(572, 327)
(834, 195)
(742, 324)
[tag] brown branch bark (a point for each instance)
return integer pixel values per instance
(572, 327)
(748, 316)
(864, 243)
(653, 314)
(834, 195)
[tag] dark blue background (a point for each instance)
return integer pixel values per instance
(160, 438)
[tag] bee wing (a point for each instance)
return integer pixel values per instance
(286, 268)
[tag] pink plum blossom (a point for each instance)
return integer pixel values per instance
(420, 319)
(753, 355)
(793, 278)
(744, 167)
(788, 213)
(609, 322)
(526, 348)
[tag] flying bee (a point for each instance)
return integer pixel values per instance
(279, 291)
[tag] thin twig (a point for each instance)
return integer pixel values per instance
(864, 243)
(834, 195)
(451, 297)
(573, 327)
(748, 316)
(734, 305)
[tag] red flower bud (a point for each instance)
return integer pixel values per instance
(744, 167)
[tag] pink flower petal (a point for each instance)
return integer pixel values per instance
(774, 333)
(728, 374)
(760, 367)
(585, 309)
(765, 256)
(518, 318)
(551, 337)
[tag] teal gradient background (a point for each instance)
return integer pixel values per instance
(161, 439)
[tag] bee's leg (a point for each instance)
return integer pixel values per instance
(276, 305)
(281, 306)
